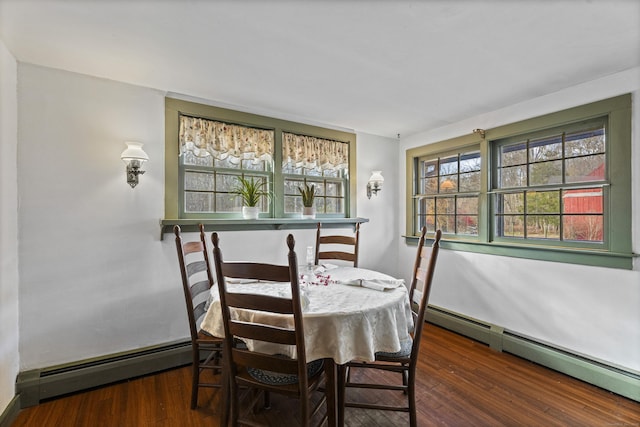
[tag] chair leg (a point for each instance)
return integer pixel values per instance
(267, 400)
(413, 419)
(225, 409)
(343, 376)
(195, 376)
(235, 410)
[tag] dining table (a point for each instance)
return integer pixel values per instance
(348, 314)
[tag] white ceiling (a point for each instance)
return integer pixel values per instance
(380, 67)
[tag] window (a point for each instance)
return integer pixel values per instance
(448, 193)
(208, 148)
(319, 162)
(213, 155)
(543, 188)
(551, 187)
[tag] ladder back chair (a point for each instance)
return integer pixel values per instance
(252, 368)
(340, 247)
(404, 361)
(197, 280)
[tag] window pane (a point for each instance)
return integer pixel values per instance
(430, 168)
(198, 181)
(333, 205)
(430, 186)
(445, 205)
(426, 220)
(584, 169)
(467, 219)
(584, 200)
(333, 189)
(225, 182)
(470, 162)
(543, 227)
(512, 226)
(515, 176)
(544, 149)
(467, 205)
(291, 187)
(427, 206)
(228, 203)
(467, 224)
(585, 143)
(470, 181)
(292, 204)
(545, 173)
(511, 203)
(513, 154)
(543, 202)
(448, 165)
(446, 223)
(449, 184)
(586, 228)
(198, 202)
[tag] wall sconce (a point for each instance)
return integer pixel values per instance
(134, 156)
(375, 183)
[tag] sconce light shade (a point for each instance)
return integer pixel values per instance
(375, 183)
(134, 156)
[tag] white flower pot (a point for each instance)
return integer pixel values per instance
(308, 212)
(250, 212)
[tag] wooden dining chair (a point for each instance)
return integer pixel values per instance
(404, 361)
(251, 367)
(197, 280)
(339, 247)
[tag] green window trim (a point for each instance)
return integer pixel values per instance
(617, 253)
(174, 107)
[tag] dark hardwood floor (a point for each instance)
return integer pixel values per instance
(461, 383)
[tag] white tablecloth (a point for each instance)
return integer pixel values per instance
(341, 322)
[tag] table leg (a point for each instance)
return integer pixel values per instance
(331, 390)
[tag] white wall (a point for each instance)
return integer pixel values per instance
(9, 357)
(95, 277)
(378, 239)
(588, 310)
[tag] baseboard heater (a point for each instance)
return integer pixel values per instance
(608, 377)
(37, 385)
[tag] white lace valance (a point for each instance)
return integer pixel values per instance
(204, 137)
(314, 153)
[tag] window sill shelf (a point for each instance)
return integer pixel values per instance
(190, 225)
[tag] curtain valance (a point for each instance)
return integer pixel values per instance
(204, 137)
(314, 153)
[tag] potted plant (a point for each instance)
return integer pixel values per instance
(251, 191)
(308, 195)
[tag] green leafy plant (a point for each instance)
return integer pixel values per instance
(308, 194)
(251, 190)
